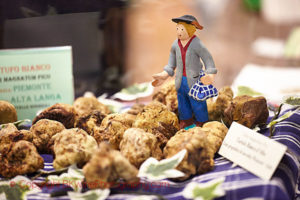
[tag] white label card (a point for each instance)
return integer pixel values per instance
(254, 152)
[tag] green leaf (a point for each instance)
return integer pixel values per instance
(18, 188)
(292, 100)
(134, 89)
(15, 192)
(134, 92)
(292, 46)
(244, 90)
(283, 117)
(158, 170)
(72, 178)
(253, 5)
(90, 195)
(204, 191)
(20, 123)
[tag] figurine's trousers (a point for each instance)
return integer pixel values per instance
(187, 106)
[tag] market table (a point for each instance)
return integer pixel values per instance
(238, 184)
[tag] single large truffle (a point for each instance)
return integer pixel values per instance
(246, 110)
(21, 158)
(200, 153)
(106, 167)
(73, 146)
(43, 131)
(158, 120)
(86, 105)
(8, 113)
(216, 132)
(61, 112)
(112, 129)
(138, 145)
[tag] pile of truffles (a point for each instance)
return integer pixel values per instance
(112, 146)
(53, 131)
(155, 118)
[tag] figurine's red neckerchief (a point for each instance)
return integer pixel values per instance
(183, 51)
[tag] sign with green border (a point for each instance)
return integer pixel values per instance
(36, 78)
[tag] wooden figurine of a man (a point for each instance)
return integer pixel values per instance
(185, 56)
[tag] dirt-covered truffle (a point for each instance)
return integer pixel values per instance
(9, 134)
(135, 110)
(217, 107)
(60, 112)
(90, 121)
(43, 131)
(199, 156)
(246, 110)
(86, 105)
(112, 129)
(73, 146)
(138, 145)
(216, 132)
(20, 158)
(8, 113)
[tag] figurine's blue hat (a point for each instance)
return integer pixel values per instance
(188, 19)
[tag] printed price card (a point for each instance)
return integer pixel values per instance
(34, 79)
(254, 152)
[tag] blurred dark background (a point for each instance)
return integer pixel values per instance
(94, 29)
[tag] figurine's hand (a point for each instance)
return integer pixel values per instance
(159, 78)
(208, 79)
